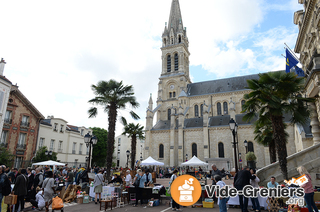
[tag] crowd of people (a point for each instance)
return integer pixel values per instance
(37, 185)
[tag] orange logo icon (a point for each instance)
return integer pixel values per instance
(185, 190)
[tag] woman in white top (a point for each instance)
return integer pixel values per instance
(49, 189)
(97, 183)
(39, 202)
(128, 178)
(254, 183)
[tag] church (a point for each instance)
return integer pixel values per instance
(193, 118)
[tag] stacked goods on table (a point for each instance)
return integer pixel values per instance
(80, 196)
(71, 193)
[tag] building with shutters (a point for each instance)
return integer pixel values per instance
(192, 118)
(66, 140)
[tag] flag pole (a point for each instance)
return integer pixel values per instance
(293, 54)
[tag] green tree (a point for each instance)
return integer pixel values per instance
(276, 94)
(133, 131)
(41, 155)
(6, 158)
(112, 96)
(99, 152)
(264, 135)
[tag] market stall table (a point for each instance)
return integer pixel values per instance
(146, 193)
(106, 191)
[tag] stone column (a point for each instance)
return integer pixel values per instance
(314, 124)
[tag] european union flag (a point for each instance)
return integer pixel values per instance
(291, 61)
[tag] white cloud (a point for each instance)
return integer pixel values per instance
(56, 50)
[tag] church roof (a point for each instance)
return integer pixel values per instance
(162, 125)
(220, 85)
(193, 122)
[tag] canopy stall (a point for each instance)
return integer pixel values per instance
(194, 161)
(49, 163)
(151, 162)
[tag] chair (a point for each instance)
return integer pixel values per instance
(120, 203)
(106, 203)
(132, 198)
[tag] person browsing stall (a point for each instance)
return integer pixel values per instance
(140, 178)
(116, 179)
(272, 183)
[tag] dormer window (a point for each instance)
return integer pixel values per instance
(171, 40)
(179, 38)
(165, 42)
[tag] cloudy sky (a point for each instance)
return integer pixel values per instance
(55, 50)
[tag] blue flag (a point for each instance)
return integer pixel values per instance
(291, 61)
(299, 72)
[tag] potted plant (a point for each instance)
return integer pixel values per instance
(251, 159)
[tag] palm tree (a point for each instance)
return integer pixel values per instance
(264, 136)
(275, 94)
(133, 131)
(112, 96)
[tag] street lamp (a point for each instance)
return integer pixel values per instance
(90, 140)
(246, 145)
(48, 153)
(234, 127)
(128, 153)
(186, 157)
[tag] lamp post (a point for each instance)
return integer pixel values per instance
(128, 153)
(186, 157)
(234, 127)
(90, 140)
(240, 161)
(246, 145)
(48, 153)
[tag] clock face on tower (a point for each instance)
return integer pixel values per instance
(171, 87)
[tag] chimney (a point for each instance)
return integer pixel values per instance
(2, 63)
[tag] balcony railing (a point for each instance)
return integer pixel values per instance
(56, 130)
(25, 124)
(4, 145)
(80, 152)
(51, 149)
(21, 146)
(73, 151)
(60, 150)
(61, 131)
(8, 121)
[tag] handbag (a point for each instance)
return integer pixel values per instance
(11, 199)
(137, 182)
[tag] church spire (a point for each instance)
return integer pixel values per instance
(175, 18)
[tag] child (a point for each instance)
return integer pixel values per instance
(39, 202)
(223, 201)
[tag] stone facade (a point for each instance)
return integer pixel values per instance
(121, 144)
(66, 140)
(192, 118)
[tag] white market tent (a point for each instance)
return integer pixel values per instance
(194, 161)
(49, 163)
(151, 162)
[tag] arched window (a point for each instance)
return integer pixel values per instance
(201, 110)
(174, 94)
(221, 150)
(194, 150)
(242, 103)
(196, 111)
(225, 108)
(250, 147)
(170, 94)
(161, 149)
(165, 41)
(169, 114)
(219, 108)
(179, 38)
(169, 63)
(176, 62)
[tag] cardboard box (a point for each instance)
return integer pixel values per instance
(208, 204)
(80, 200)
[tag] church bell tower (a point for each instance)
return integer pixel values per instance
(175, 57)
